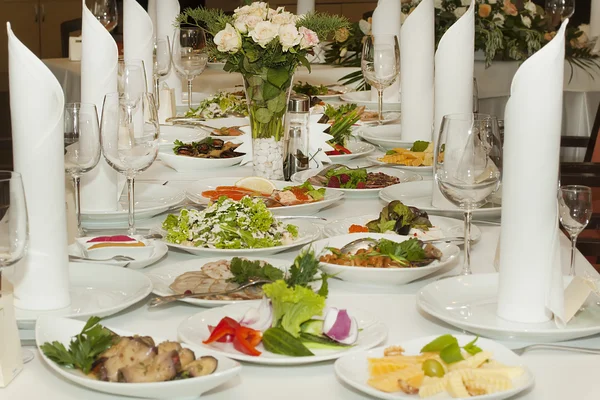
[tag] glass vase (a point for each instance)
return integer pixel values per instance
(267, 93)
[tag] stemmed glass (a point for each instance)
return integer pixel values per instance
(380, 64)
(467, 168)
(82, 146)
(105, 11)
(162, 64)
(575, 211)
(14, 227)
(129, 146)
(475, 97)
(559, 10)
(189, 55)
(131, 80)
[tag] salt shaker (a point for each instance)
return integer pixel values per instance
(296, 135)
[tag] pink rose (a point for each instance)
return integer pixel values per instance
(309, 38)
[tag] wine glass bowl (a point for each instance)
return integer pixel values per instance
(13, 220)
(162, 64)
(189, 55)
(131, 81)
(574, 212)
(105, 11)
(558, 10)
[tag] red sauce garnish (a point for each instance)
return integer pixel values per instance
(116, 238)
(233, 192)
(357, 229)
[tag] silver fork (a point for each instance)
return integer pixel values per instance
(119, 258)
(558, 347)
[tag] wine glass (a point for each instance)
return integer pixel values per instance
(189, 55)
(475, 97)
(82, 146)
(162, 64)
(14, 229)
(559, 10)
(380, 64)
(105, 11)
(131, 80)
(575, 211)
(129, 146)
(467, 167)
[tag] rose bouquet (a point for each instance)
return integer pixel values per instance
(266, 46)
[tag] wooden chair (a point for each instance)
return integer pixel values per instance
(66, 28)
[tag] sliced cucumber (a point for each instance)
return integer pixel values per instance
(279, 341)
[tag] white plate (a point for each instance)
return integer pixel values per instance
(442, 227)
(363, 98)
(194, 164)
(150, 200)
(358, 149)
(419, 194)
(63, 329)
(160, 249)
(215, 65)
(387, 136)
(353, 370)
(419, 170)
(404, 176)
(470, 303)
(307, 232)
(195, 329)
(332, 196)
(228, 121)
(388, 117)
(95, 289)
(380, 276)
(170, 133)
(163, 277)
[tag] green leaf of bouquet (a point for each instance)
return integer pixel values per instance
(263, 115)
(270, 91)
(254, 80)
(304, 61)
(278, 76)
(277, 104)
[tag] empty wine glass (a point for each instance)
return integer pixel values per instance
(467, 167)
(131, 80)
(162, 64)
(559, 10)
(189, 55)
(82, 146)
(105, 11)
(129, 146)
(475, 97)
(575, 211)
(380, 64)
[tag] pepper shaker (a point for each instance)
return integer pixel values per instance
(296, 135)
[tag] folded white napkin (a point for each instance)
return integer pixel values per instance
(152, 14)
(166, 13)
(417, 47)
(531, 285)
(36, 105)
(595, 19)
(453, 84)
(386, 20)
(138, 40)
(99, 63)
(305, 6)
(317, 143)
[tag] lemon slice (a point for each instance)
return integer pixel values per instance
(257, 184)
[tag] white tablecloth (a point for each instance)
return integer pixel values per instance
(558, 375)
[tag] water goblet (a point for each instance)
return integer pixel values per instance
(162, 64)
(575, 211)
(105, 11)
(189, 55)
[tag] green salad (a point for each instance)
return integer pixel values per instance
(220, 105)
(229, 224)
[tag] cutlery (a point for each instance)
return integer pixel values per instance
(28, 343)
(558, 347)
(119, 258)
(370, 242)
(158, 301)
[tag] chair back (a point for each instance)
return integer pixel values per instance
(66, 28)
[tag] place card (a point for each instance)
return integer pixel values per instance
(167, 103)
(575, 296)
(75, 48)
(11, 359)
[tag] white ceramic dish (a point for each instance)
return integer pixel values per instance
(195, 329)
(419, 170)
(387, 136)
(307, 232)
(470, 303)
(363, 98)
(150, 200)
(63, 329)
(358, 149)
(404, 176)
(170, 133)
(106, 252)
(193, 164)
(332, 196)
(352, 369)
(388, 117)
(228, 121)
(442, 227)
(95, 289)
(381, 276)
(159, 250)
(419, 194)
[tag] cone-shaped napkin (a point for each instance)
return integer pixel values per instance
(36, 106)
(386, 20)
(305, 6)
(531, 286)
(138, 40)
(454, 65)
(99, 63)
(166, 13)
(152, 14)
(595, 19)
(417, 47)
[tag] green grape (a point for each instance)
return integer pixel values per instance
(433, 368)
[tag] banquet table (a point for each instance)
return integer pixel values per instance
(559, 375)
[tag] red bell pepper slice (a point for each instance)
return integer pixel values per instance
(224, 339)
(227, 326)
(246, 340)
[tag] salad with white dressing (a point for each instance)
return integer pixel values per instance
(229, 224)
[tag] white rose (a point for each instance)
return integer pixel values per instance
(437, 3)
(492, 1)
(498, 19)
(264, 32)
(259, 9)
(459, 11)
(248, 21)
(228, 40)
(283, 18)
(289, 36)
(585, 28)
(365, 27)
(526, 21)
(241, 11)
(530, 6)
(309, 38)
(240, 24)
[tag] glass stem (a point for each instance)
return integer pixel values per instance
(156, 91)
(573, 248)
(466, 270)
(131, 201)
(0, 282)
(380, 105)
(189, 93)
(77, 187)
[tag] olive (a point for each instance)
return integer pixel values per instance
(433, 368)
